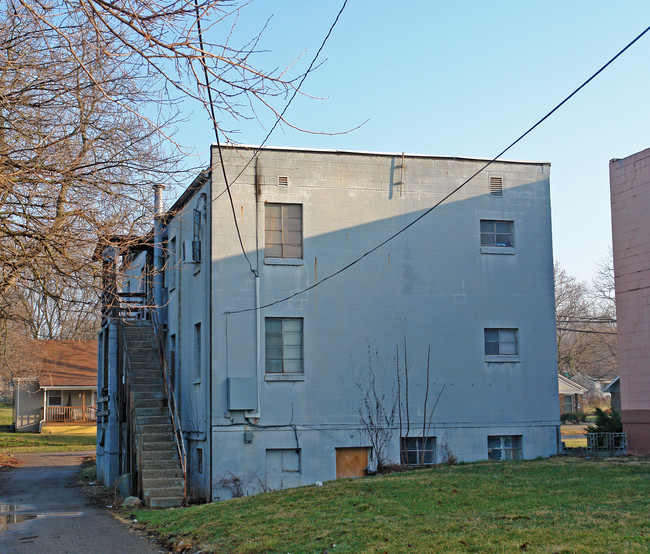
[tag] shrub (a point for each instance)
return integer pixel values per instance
(573, 417)
(606, 422)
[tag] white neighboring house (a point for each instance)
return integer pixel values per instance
(270, 385)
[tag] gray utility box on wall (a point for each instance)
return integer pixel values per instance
(242, 393)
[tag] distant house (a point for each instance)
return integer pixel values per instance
(63, 398)
(571, 395)
(614, 388)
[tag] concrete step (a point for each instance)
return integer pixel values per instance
(147, 412)
(163, 484)
(162, 464)
(144, 393)
(146, 370)
(144, 380)
(162, 473)
(172, 490)
(149, 403)
(153, 428)
(148, 438)
(165, 502)
(149, 456)
(141, 340)
(159, 446)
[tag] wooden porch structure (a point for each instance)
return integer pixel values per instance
(70, 414)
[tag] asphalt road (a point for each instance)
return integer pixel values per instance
(43, 509)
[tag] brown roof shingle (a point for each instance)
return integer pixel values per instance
(67, 363)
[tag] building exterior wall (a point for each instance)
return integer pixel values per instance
(630, 194)
(432, 286)
(28, 403)
(187, 285)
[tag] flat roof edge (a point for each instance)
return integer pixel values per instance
(371, 153)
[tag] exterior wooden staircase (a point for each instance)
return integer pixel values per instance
(160, 477)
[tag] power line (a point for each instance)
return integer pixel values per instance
(216, 133)
(295, 92)
(566, 319)
(277, 122)
(458, 188)
(590, 332)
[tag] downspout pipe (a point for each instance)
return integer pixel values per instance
(158, 254)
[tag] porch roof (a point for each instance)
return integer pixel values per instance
(67, 363)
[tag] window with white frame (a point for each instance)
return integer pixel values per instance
(283, 344)
(418, 451)
(507, 447)
(500, 234)
(197, 352)
(501, 342)
(283, 230)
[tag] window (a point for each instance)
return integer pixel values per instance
(284, 344)
(283, 231)
(501, 342)
(197, 352)
(417, 451)
(497, 233)
(171, 264)
(172, 360)
(282, 460)
(199, 460)
(568, 403)
(504, 448)
(196, 236)
(54, 398)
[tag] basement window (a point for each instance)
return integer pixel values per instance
(418, 451)
(282, 460)
(503, 448)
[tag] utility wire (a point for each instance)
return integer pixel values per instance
(277, 122)
(590, 332)
(295, 92)
(216, 134)
(458, 188)
(563, 319)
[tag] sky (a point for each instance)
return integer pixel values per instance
(464, 78)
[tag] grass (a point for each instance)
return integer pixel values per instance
(556, 505)
(35, 442)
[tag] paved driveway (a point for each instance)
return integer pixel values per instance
(43, 509)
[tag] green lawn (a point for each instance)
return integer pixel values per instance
(556, 505)
(34, 442)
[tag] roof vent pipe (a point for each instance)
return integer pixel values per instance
(158, 254)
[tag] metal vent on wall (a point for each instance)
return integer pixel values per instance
(496, 186)
(283, 181)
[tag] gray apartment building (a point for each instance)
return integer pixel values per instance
(440, 342)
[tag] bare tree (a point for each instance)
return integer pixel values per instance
(603, 286)
(90, 94)
(586, 328)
